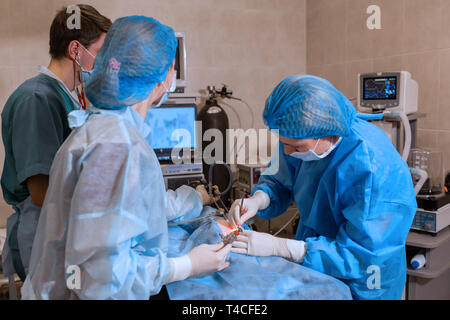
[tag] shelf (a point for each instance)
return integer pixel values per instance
(426, 240)
(427, 273)
(411, 117)
(437, 246)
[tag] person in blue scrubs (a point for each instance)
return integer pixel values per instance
(353, 191)
(34, 126)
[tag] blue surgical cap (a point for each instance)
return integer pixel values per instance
(308, 107)
(136, 55)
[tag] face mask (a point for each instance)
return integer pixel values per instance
(85, 75)
(310, 155)
(173, 86)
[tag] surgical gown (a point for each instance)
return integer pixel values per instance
(356, 207)
(104, 216)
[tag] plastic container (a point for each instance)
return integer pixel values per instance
(418, 261)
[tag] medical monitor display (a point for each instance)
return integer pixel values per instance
(171, 126)
(382, 88)
(177, 59)
(180, 62)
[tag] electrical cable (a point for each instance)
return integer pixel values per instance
(210, 178)
(287, 223)
(248, 107)
(235, 112)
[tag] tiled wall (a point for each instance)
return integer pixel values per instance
(250, 45)
(415, 36)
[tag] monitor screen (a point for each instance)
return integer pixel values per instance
(178, 57)
(180, 62)
(382, 88)
(171, 126)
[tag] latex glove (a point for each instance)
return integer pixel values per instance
(259, 201)
(209, 258)
(204, 195)
(264, 245)
(201, 259)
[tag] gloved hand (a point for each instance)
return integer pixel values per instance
(201, 259)
(259, 201)
(204, 195)
(264, 245)
(209, 258)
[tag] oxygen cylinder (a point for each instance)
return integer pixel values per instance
(213, 116)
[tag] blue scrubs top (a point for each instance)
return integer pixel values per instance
(34, 126)
(356, 207)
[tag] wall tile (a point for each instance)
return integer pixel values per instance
(290, 23)
(358, 7)
(6, 82)
(444, 93)
(263, 4)
(389, 63)
(329, 14)
(444, 41)
(325, 27)
(231, 25)
(352, 70)
(316, 5)
(315, 48)
(264, 26)
(422, 24)
(444, 144)
(5, 31)
(335, 73)
(390, 40)
(316, 70)
(424, 68)
(358, 38)
(31, 18)
(427, 138)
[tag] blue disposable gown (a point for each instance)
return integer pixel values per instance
(356, 207)
(104, 216)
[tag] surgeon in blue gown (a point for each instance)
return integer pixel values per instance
(353, 190)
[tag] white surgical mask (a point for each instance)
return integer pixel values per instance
(311, 155)
(85, 75)
(173, 86)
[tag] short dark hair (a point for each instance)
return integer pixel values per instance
(92, 26)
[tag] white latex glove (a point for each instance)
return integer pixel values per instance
(259, 201)
(204, 195)
(264, 245)
(209, 258)
(201, 259)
